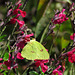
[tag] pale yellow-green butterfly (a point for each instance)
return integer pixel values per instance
(34, 50)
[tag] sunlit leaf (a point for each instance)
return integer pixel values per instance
(41, 8)
(1, 70)
(64, 42)
(6, 56)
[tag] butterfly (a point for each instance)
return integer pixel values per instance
(34, 50)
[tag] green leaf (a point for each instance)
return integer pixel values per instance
(9, 47)
(12, 50)
(1, 70)
(42, 23)
(42, 73)
(41, 8)
(33, 73)
(40, 68)
(6, 56)
(4, 73)
(34, 50)
(64, 42)
(56, 73)
(69, 1)
(1, 37)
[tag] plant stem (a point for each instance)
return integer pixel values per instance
(42, 37)
(3, 30)
(5, 48)
(9, 39)
(14, 28)
(24, 4)
(32, 62)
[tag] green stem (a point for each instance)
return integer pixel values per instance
(45, 31)
(28, 65)
(8, 40)
(14, 28)
(25, 4)
(3, 30)
(5, 48)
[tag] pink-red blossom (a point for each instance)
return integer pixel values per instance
(13, 21)
(71, 56)
(15, 12)
(72, 36)
(41, 63)
(19, 56)
(59, 18)
(23, 13)
(21, 23)
(56, 71)
(25, 39)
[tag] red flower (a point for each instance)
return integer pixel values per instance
(24, 40)
(60, 18)
(72, 36)
(41, 63)
(15, 12)
(19, 56)
(18, 6)
(27, 37)
(13, 21)
(21, 23)
(56, 71)
(44, 67)
(1, 59)
(23, 13)
(21, 44)
(71, 56)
